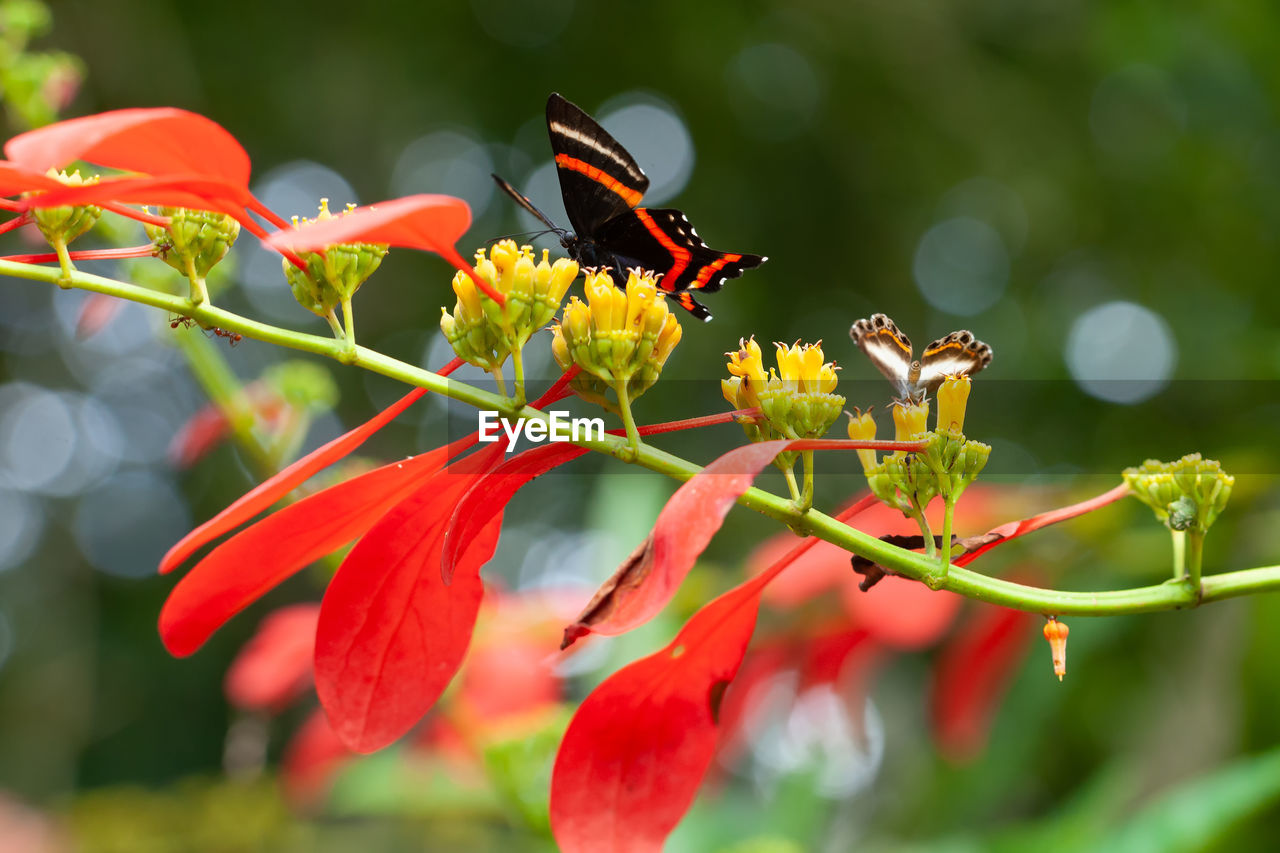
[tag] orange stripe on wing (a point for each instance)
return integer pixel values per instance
(573, 164)
(679, 254)
(704, 275)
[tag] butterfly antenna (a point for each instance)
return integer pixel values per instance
(532, 235)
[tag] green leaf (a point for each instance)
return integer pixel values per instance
(1192, 815)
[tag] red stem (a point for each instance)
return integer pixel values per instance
(134, 213)
(16, 222)
(85, 255)
(1013, 529)
(557, 391)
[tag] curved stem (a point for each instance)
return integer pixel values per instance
(349, 322)
(624, 409)
(517, 370)
(1166, 596)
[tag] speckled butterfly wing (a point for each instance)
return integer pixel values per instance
(663, 240)
(599, 179)
(958, 353)
(889, 350)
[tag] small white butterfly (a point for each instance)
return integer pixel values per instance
(959, 353)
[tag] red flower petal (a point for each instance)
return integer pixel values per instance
(636, 750)
(1008, 532)
(647, 580)
(274, 667)
(391, 634)
(200, 434)
(310, 760)
(194, 192)
(15, 178)
(242, 569)
(269, 491)
(432, 223)
(493, 492)
(971, 676)
(152, 140)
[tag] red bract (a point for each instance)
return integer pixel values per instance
(185, 160)
(274, 667)
(159, 140)
(310, 759)
(431, 223)
(492, 493)
(391, 634)
(647, 579)
(972, 674)
(263, 495)
(635, 753)
(15, 178)
(241, 570)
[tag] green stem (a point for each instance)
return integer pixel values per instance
(1148, 599)
(517, 370)
(223, 388)
(948, 511)
(1195, 557)
(349, 323)
(199, 292)
(806, 496)
(332, 320)
(789, 473)
(624, 409)
(501, 384)
(1179, 554)
(66, 267)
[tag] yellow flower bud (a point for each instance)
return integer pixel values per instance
(862, 427)
(468, 296)
(910, 420)
(487, 332)
(953, 395)
(620, 335)
(796, 398)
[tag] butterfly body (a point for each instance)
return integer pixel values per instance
(602, 186)
(956, 354)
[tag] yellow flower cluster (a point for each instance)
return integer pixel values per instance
(618, 337)
(483, 332)
(333, 276)
(796, 398)
(61, 225)
(194, 240)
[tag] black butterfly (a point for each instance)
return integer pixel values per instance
(959, 353)
(602, 186)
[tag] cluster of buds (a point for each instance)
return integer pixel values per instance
(194, 241)
(945, 467)
(1188, 494)
(620, 338)
(60, 225)
(796, 399)
(483, 332)
(331, 277)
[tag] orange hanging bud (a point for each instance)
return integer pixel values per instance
(1056, 633)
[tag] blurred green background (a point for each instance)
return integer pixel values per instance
(1092, 188)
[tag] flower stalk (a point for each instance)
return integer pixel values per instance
(963, 581)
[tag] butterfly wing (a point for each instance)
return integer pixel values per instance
(957, 354)
(889, 350)
(599, 179)
(663, 241)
